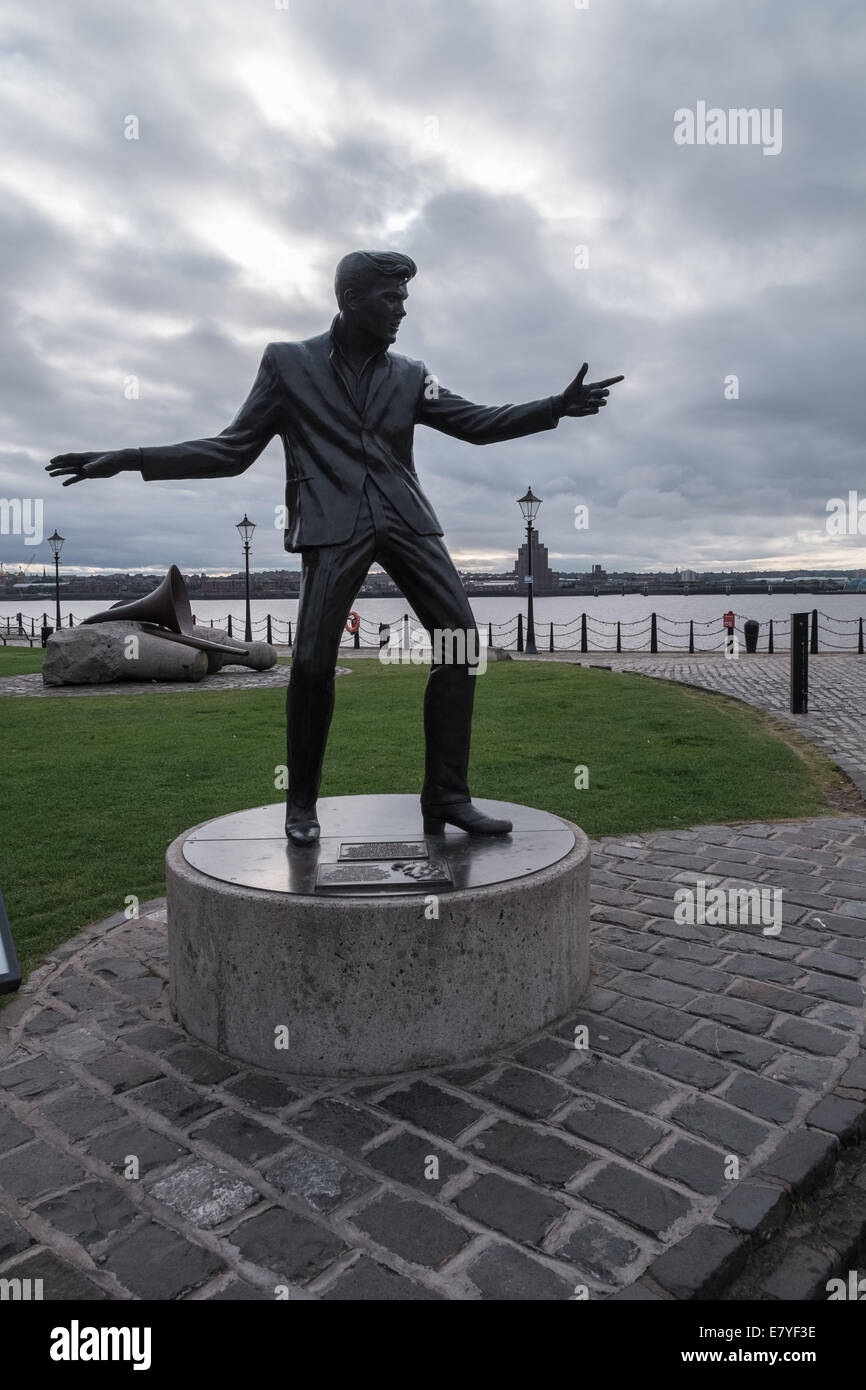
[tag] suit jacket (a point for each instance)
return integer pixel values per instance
(332, 438)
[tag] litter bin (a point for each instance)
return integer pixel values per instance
(45, 633)
(750, 629)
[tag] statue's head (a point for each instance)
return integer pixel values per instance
(371, 289)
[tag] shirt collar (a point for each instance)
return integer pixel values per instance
(338, 345)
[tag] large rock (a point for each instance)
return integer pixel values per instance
(102, 653)
(260, 656)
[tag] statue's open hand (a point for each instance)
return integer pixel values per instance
(582, 398)
(81, 466)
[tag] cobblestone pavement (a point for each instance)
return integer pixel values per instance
(230, 678)
(135, 1163)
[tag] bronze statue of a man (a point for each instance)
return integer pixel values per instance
(346, 409)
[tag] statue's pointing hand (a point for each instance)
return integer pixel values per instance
(81, 466)
(586, 398)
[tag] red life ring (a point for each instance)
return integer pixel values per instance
(353, 623)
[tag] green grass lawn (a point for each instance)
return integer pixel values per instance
(95, 788)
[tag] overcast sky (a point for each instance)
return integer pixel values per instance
(488, 139)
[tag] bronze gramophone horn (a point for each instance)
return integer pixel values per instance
(166, 613)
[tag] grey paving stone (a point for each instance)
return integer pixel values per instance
(832, 964)
(510, 1207)
(855, 1075)
(150, 1149)
(242, 1138)
(174, 1101)
(844, 1118)
(79, 1111)
(12, 1132)
(36, 1077)
(736, 1013)
(431, 1108)
(75, 1043)
(155, 1263)
(13, 1238)
(771, 996)
(239, 1292)
(36, 1169)
(407, 1159)
(755, 1207)
(812, 1072)
(843, 1228)
(292, 1247)
(639, 1200)
(155, 1037)
(656, 991)
(61, 1282)
(524, 1150)
(78, 993)
(368, 1281)
(89, 1213)
(731, 1046)
(201, 1064)
(315, 1178)
(205, 1195)
(599, 1251)
(544, 1055)
(769, 1100)
(702, 1263)
(121, 1070)
(802, 1274)
(686, 972)
(262, 1091)
(619, 956)
(411, 1229)
(736, 1133)
(504, 1274)
(526, 1092)
(616, 1081)
(603, 1034)
(657, 1019)
(466, 1076)
(694, 1165)
(802, 1160)
(779, 972)
(338, 1125)
(810, 1037)
(613, 1128)
(681, 1063)
(836, 989)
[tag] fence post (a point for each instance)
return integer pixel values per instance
(654, 636)
(290, 633)
(860, 639)
(691, 637)
(618, 637)
(770, 638)
(799, 663)
(269, 635)
(229, 625)
(813, 645)
(583, 646)
(356, 637)
(551, 636)
(32, 627)
(44, 619)
(70, 620)
(490, 634)
(520, 632)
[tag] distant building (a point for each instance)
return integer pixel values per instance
(688, 576)
(544, 581)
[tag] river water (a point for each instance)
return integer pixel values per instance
(839, 616)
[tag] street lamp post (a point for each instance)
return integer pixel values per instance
(56, 543)
(529, 506)
(246, 528)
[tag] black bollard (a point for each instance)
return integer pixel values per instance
(799, 663)
(583, 646)
(618, 637)
(551, 637)
(269, 636)
(813, 645)
(860, 639)
(229, 625)
(654, 635)
(770, 638)
(691, 637)
(520, 632)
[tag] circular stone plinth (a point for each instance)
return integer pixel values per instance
(379, 949)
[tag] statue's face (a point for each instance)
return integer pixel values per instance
(379, 310)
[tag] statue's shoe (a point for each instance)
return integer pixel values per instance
(302, 827)
(466, 817)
